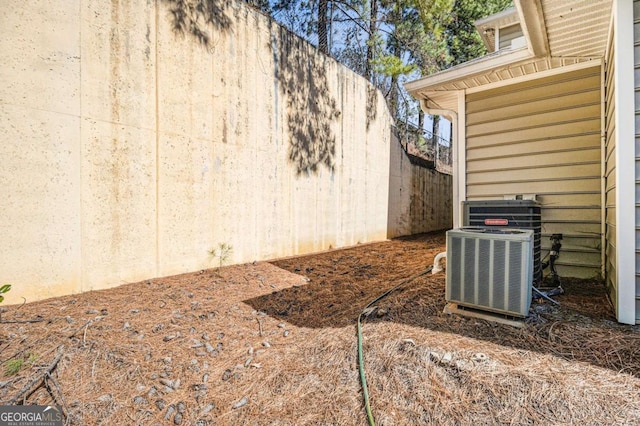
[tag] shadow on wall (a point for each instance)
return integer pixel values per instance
(301, 74)
(372, 105)
(311, 108)
(194, 17)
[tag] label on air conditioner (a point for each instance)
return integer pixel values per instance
(496, 222)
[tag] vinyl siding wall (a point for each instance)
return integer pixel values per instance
(543, 137)
(636, 40)
(611, 276)
(507, 34)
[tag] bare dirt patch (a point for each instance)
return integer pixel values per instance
(274, 343)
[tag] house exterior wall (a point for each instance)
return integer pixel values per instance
(507, 34)
(610, 193)
(542, 137)
(621, 162)
(130, 151)
(636, 57)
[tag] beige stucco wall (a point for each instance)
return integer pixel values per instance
(420, 198)
(130, 150)
(40, 148)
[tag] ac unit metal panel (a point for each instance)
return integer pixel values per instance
(517, 214)
(490, 269)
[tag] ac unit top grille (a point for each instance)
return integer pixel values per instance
(494, 231)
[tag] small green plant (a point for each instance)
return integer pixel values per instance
(13, 366)
(222, 254)
(5, 288)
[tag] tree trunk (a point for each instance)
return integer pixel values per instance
(393, 98)
(373, 28)
(394, 92)
(435, 128)
(323, 43)
(396, 50)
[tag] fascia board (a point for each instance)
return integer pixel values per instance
(482, 65)
(533, 26)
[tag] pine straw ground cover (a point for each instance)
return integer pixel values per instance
(275, 344)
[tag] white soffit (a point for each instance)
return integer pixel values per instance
(442, 100)
(577, 28)
(440, 89)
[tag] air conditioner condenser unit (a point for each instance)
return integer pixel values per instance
(490, 269)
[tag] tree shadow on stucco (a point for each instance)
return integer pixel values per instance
(311, 109)
(300, 71)
(372, 105)
(195, 17)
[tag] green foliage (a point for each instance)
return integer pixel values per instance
(433, 14)
(418, 32)
(222, 253)
(392, 66)
(5, 288)
(462, 39)
(13, 366)
(391, 41)
(421, 143)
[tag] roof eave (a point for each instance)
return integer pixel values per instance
(532, 22)
(500, 19)
(468, 69)
(533, 26)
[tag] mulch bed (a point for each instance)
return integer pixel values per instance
(273, 343)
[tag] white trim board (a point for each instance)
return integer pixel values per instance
(625, 160)
(460, 183)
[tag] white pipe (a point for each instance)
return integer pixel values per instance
(436, 262)
(453, 117)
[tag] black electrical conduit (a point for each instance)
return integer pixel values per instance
(366, 311)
